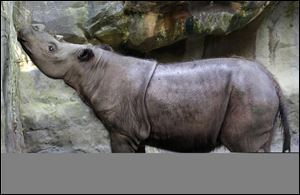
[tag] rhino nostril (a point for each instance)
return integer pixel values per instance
(38, 27)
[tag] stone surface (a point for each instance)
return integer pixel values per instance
(277, 47)
(4, 49)
(65, 18)
(55, 119)
(107, 23)
(139, 25)
(11, 129)
(160, 24)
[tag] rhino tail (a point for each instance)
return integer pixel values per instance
(282, 112)
(284, 120)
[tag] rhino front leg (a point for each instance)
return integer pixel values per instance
(122, 144)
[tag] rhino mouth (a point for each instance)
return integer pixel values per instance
(20, 36)
(24, 43)
(21, 40)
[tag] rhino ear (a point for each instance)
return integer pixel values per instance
(105, 47)
(85, 55)
(60, 38)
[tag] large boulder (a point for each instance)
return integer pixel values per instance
(139, 25)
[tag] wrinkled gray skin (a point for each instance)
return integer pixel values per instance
(184, 107)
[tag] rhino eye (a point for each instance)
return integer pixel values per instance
(51, 48)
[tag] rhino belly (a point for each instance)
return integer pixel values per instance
(185, 113)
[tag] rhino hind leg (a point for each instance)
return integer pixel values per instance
(141, 149)
(245, 130)
(267, 146)
(247, 142)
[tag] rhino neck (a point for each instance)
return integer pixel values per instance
(98, 81)
(115, 88)
(85, 77)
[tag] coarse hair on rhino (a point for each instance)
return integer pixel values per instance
(184, 107)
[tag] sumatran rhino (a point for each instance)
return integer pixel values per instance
(183, 107)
